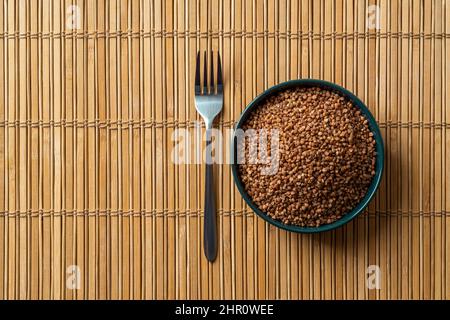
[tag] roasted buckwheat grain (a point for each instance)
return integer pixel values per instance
(327, 157)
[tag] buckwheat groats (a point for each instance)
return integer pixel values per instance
(326, 157)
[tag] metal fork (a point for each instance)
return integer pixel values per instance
(209, 104)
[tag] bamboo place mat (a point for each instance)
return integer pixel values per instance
(92, 206)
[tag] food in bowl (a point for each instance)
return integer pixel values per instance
(327, 157)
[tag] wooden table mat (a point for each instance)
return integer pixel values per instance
(93, 91)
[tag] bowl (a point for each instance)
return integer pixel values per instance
(379, 148)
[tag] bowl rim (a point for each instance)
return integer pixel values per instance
(379, 164)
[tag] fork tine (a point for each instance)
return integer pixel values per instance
(211, 80)
(197, 75)
(219, 74)
(205, 73)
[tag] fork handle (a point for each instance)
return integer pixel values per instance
(210, 226)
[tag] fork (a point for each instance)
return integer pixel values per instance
(209, 104)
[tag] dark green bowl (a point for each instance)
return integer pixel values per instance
(372, 124)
